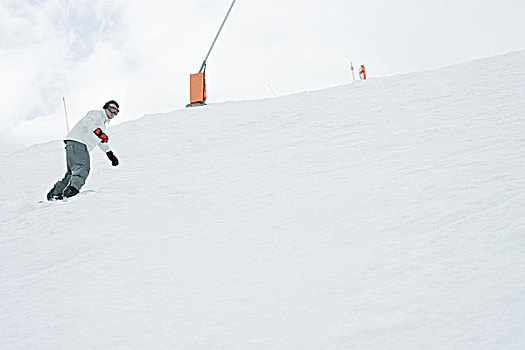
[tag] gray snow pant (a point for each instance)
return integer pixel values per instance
(77, 160)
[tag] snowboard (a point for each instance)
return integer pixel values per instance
(80, 194)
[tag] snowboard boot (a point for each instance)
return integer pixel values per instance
(70, 191)
(53, 197)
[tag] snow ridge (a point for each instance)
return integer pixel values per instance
(386, 214)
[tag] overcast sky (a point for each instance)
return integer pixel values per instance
(141, 53)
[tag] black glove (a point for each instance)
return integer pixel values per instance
(113, 158)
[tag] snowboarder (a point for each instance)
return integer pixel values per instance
(87, 133)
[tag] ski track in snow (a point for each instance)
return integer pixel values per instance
(386, 214)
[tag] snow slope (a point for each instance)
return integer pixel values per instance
(386, 214)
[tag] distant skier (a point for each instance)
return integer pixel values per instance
(362, 72)
(87, 133)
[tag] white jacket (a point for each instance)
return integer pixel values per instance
(83, 130)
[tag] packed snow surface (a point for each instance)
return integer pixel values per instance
(382, 214)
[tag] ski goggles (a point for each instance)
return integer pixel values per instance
(113, 110)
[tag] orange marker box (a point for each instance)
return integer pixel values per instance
(197, 88)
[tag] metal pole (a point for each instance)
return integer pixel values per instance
(352, 68)
(273, 92)
(65, 111)
(214, 40)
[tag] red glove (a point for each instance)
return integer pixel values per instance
(103, 137)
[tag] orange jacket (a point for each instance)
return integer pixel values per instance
(362, 71)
